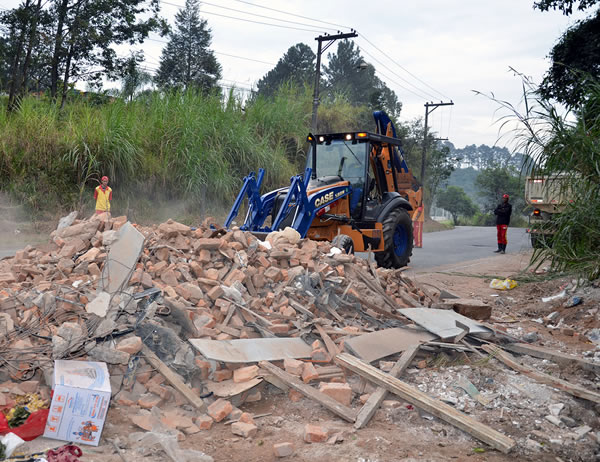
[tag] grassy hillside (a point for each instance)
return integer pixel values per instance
(161, 149)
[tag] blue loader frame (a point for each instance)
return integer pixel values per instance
(260, 206)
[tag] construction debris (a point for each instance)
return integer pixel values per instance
(193, 323)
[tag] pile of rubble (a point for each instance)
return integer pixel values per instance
(204, 318)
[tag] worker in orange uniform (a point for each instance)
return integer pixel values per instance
(502, 212)
(103, 196)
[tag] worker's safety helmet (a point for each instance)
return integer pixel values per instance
(106, 178)
(505, 196)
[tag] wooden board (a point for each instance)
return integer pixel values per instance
(344, 412)
(252, 350)
(377, 397)
(552, 355)
(433, 406)
(538, 376)
(174, 379)
(228, 388)
(382, 343)
(332, 348)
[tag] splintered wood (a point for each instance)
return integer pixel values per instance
(437, 408)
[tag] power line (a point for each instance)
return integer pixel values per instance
(250, 20)
(423, 93)
(401, 67)
(293, 14)
(221, 53)
(263, 16)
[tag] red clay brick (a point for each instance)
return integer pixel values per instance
(309, 373)
(215, 293)
(280, 328)
(293, 366)
(223, 374)
(204, 422)
(314, 434)
(219, 409)
(341, 392)
(244, 429)
(244, 374)
(283, 449)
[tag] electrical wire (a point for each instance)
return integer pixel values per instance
(402, 67)
(220, 53)
(250, 20)
(263, 16)
(422, 95)
(292, 14)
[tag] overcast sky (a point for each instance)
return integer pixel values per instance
(452, 47)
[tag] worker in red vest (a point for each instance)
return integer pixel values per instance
(502, 212)
(103, 196)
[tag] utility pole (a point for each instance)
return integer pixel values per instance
(320, 50)
(428, 111)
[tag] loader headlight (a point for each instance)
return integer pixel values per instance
(321, 139)
(348, 137)
(361, 135)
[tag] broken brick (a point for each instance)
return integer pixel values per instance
(219, 409)
(244, 429)
(314, 434)
(341, 392)
(245, 374)
(283, 449)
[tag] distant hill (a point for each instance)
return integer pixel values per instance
(465, 178)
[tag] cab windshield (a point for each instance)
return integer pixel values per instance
(340, 158)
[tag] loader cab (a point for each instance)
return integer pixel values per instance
(338, 158)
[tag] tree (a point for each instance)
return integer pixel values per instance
(566, 6)
(493, 183)
(439, 166)
(133, 77)
(455, 201)
(575, 57)
(85, 31)
(347, 75)
(187, 61)
(297, 66)
(22, 24)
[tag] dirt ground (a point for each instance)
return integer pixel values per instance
(514, 404)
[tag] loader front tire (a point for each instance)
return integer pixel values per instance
(397, 238)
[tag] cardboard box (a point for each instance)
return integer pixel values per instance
(80, 402)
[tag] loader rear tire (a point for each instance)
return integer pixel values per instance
(397, 238)
(344, 243)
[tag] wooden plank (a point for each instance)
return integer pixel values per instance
(541, 377)
(554, 356)
(332, 348)
(326, 401)
(433, 406)
(264, 321)
(377, 397)
(174, 379)
(298, 307)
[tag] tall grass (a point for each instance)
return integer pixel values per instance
(178, 146)
(568, 144)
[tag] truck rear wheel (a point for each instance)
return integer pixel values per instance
(397, 238)
(536, 242)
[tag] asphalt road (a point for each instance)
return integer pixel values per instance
(464, 243)
(7, 252)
